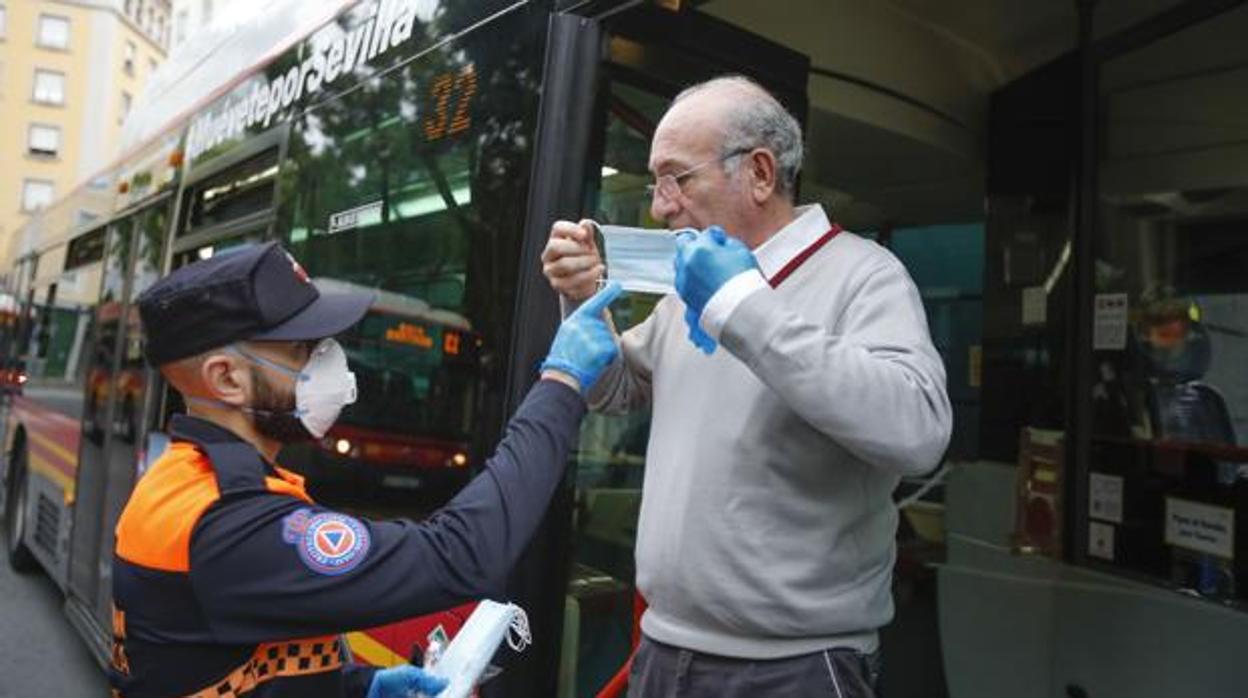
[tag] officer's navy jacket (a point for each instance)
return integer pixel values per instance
(228, 580)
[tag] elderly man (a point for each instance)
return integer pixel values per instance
(766, 540)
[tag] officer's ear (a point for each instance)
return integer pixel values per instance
(224, 377)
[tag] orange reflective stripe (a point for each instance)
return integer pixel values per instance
(155, 529)
(274, 660)
(119, 623)
(287, 483)
(119, 660)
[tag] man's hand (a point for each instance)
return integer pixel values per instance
(585, 344)
(403, 681)
(571, 261)
(705, 262)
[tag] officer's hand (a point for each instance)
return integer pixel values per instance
(585, 344)
(705, 262)
(403, 681)
(571, 261)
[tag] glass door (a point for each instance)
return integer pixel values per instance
(127, 391)
(116, 380)
(86, 551)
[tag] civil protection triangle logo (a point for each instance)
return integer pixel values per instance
(328, 543)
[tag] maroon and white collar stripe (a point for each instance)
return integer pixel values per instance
(801, 257)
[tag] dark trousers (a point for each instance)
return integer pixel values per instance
(663, 671)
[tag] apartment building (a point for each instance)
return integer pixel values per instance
(70, 70)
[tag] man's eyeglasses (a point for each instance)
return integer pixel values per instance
(668, 185)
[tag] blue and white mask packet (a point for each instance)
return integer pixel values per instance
(464, 661)
(642, 259)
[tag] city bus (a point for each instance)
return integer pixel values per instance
(418, 148)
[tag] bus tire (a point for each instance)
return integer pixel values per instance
(20, 557)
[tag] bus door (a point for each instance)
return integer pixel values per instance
(113, 412)
(610, 79)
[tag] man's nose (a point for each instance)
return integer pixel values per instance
(661, 207)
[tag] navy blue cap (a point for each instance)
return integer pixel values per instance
(256, 292)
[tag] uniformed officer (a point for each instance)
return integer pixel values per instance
(228, 580)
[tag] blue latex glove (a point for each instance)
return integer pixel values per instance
(404, 681)
(585, 344)
(704, 263)
(697, 335)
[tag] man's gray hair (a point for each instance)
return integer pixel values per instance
(758, 121)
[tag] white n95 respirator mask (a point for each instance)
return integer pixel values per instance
(322, 388)
(325, 386)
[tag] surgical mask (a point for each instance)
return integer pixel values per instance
(643, 260)
(322, 389)
(464, 661)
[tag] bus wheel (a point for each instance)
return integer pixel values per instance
(20, 557)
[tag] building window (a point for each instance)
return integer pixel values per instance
(179, 26)
(43, 140)
(151, 66)
(49, 87)
(127, 57)
(3, 18)
(53, 32)
(125, 107)
(36, 194)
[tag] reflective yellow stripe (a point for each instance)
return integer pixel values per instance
(44, 467)
(373, 651)
(58, 449)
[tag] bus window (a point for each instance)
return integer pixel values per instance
(85, 249)
(60, 322)
(415, 185)
(239, 192)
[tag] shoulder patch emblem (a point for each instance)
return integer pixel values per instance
(328, 543)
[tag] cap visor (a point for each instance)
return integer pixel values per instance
(326, 316)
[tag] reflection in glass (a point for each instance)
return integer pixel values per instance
(1171, 395)
(414, 186)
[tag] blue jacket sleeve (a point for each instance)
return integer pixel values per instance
(267, 566)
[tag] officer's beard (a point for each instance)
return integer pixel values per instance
(273, 413)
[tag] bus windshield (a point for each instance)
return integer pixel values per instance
(413, 186)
